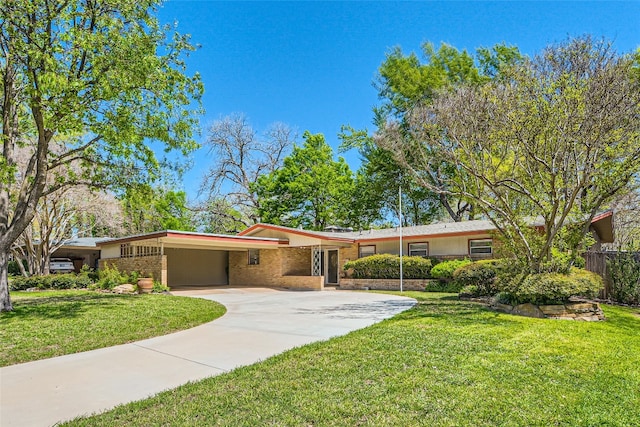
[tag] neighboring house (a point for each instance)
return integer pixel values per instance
(80, 250)
(272, 255)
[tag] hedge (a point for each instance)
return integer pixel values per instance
(553, 288)
(444, 270)
(51, 281)
(387, 266)
(480, 274)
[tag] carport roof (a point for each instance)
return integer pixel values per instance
(188, 239)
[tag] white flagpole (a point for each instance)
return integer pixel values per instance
(400, 217)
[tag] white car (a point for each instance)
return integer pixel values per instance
(61, 265)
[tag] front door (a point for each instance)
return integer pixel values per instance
(332, 267)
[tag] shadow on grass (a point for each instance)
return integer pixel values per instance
(60, 307)
(450, 309)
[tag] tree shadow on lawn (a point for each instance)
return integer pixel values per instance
(450, 308)
(59, 307)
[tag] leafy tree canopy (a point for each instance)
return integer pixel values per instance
(99, 80)
(311, 189)
(549, 143)
(405, 81)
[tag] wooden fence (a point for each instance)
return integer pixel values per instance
(597, 262)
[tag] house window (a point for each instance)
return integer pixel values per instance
(367, 251)
(481, 247)
(254, 256)
(419, 249)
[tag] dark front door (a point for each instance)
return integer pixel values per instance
(332, 267)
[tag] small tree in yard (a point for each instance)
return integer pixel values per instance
(97, 79)
(550, 143)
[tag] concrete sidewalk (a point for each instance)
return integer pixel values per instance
(259, 323)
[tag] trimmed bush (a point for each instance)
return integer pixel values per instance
(387, 266)
(469, 291)
(444, 270)
(554, 288)
(481, 274)
(51, 281)
(562, 262)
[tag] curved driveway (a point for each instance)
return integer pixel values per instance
(259, 323)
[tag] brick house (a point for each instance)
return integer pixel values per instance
(272, 255)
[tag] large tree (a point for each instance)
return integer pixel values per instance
(61, 215)
(311, 189)
(379, 179)
(99, 78)
(147, 209)
(550, 143)
(240, 157)
(404, 82)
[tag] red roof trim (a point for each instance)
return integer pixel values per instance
(195, 236)
(601, 216)
(293, 231)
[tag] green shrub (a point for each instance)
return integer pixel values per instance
(110, 277)
(469, 291)
(504, 298)
(387, 266)
(481, 274)
(158, 287)
(562, 262)
(554, 288)
(439, 286)
(444, 270)
(624, 273)
(51, 281)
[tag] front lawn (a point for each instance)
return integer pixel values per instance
(52, 323)
(443, 363)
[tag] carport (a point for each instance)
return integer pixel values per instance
(182, 259)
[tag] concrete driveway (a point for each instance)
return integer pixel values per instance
(259, 323)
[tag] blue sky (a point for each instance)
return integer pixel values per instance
(311, 64)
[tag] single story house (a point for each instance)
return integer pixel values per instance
(273, 255)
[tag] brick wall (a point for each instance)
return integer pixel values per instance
(155, 266)
(346, 254)
(295, 262)
(384, 284)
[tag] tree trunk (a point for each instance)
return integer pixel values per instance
(5, 299)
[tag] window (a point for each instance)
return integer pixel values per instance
(367, 250)
(419, 249)
(254, 256)
(481, 247)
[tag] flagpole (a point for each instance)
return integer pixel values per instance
(400, 217)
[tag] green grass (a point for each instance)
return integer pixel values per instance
(443, 363)
(54, 323)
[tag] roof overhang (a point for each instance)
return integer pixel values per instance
(321, 238)
(192, 240)
(602, 224)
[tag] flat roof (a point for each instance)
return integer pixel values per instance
(195, 240)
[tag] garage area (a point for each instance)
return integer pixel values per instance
(183, 260)
(197, 267)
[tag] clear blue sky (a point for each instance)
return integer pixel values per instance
(311, 64)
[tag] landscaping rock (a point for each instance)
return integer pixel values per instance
(555, 310)
(528, 310)
(124, 289)
(505, 308)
